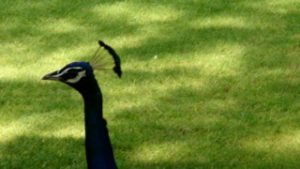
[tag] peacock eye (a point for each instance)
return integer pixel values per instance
(72, 73)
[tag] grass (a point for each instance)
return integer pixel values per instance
(207, 84)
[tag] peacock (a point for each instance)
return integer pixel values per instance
(80, 76)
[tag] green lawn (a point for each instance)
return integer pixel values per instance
(208, 84)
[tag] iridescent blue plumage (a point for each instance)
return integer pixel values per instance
(80, 76)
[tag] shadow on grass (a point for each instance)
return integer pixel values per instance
(84, 25)
(42, 152)
(247, 120)
(65, 153)
(236, 123)
(212, 127)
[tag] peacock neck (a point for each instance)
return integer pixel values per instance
(97, 143)
(92, 97)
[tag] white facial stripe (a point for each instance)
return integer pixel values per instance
(80, 75)
(66, 70)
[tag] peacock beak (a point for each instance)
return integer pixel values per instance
(52, 76)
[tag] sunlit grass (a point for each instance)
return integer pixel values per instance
(222, 21)
(155, 153)
(207, 84)
(146, 14)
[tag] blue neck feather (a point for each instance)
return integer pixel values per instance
(97, 143)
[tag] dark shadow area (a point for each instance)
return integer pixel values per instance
(246, 120)
(24, 152)
(171, 36)
(233, 125)
(43, 152)
(43, 104)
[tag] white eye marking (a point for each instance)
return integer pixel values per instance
(66, 70)
(80, 75)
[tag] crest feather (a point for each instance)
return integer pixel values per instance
(106, 58)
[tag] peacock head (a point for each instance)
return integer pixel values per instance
(72, 73)
(79, 74)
